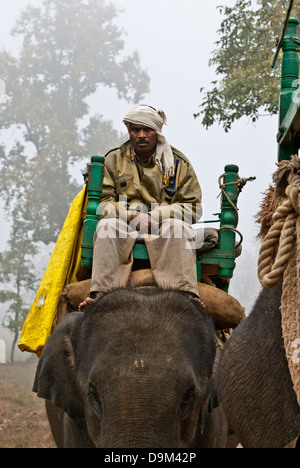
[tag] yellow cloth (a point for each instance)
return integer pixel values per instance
(62, 270)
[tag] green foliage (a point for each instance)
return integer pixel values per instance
(242, 59)
(17, 275)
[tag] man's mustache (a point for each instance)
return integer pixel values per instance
(142, 141)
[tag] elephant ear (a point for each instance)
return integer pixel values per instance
(55, 378)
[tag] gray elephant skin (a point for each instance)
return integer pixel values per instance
(255, 384)
(135, 370)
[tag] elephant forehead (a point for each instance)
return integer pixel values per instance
(140, 363)
(154, 365)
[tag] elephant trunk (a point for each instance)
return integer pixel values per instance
(139, 417)
(137, 431)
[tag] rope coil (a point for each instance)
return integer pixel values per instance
(281, 238)
(279, 259)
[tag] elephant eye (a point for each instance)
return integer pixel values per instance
(94, 400)
(187, 402)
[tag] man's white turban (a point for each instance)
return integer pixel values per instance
(149, 117)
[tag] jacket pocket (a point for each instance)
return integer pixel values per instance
(125, 186)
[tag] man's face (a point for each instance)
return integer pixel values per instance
(143, 139)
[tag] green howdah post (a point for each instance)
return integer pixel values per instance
(289, 82)
(94, 191)
(228, 221)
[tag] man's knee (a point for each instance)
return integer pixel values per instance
(177, 229)
(106, 228)
(114, 228)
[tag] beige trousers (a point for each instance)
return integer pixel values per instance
(172, 255)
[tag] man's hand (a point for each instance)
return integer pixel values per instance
(143, 223)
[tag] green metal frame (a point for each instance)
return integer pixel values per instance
(223, 258)
(94, 191)
(288, 137)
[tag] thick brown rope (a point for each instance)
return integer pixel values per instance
(280, 259)
(281, 238)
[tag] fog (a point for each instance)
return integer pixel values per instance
(175, 39)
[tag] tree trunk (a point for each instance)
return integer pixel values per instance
(16, 328)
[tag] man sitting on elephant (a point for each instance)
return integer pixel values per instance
(149, 189)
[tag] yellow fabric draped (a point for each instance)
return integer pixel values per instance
(62, 269)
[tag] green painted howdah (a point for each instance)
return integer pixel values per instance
(223, 257)
(289, 95)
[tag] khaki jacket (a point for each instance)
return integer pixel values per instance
(130, 184)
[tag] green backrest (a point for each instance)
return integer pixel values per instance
(94, 193)
(288, 136)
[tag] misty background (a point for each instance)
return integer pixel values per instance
(175, 39)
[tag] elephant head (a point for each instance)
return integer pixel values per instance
(134, 370)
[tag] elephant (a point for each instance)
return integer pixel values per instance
(255, 384)
(135, 369)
